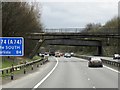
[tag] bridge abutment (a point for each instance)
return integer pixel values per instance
(100, 50)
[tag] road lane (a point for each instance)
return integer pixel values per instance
(30, 80)
(36, 86)
(69, 73)
(101, 77)
(74, 73)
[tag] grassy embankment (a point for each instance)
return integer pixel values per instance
(8, 62)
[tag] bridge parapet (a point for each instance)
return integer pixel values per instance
(75, 33)
(70, 35)
(83, 30)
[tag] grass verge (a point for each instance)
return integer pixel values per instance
(16, 61)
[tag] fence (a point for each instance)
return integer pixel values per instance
(82, 30)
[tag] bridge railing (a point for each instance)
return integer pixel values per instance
(83, 31)
(66, 30)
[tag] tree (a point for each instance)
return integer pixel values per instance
(92, 27)
(19, 18)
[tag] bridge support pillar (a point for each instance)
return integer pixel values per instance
(100, 50)
(40, 42)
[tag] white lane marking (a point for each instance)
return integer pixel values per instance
(36, 86)
(111, 69)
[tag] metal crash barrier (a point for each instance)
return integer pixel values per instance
(115, 63)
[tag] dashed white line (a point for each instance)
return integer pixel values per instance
(36, 86)
(111, 69)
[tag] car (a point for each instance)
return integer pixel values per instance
(95, 61)
(46, 55)
(67, 55)
(116, 56)
(40, 54)
(72, 54)
(52, 53)
(61, 54)
(57, 54)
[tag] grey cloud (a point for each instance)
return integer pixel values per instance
(77, 14)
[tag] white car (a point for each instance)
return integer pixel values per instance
(67, 55)
(72, 54)
(116, 56)
(95, 61)
(40, 54)
(46, 55)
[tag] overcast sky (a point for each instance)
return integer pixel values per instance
(77, 14)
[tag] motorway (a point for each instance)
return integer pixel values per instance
(67, 73)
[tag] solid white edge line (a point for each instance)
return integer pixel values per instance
(111, 69)
(36, 86)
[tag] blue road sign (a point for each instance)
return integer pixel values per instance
(11, 46)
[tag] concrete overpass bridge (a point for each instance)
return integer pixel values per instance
(74, 33)
(71, 37)
(69, 42)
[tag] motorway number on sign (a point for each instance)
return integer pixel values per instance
(11, 46)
